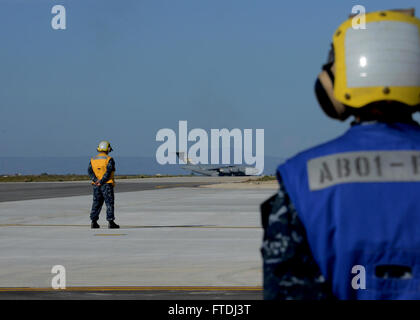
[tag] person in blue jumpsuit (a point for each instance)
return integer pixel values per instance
(344, 222)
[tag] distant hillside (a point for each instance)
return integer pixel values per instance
(78, 165)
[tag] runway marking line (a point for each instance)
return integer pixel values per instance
(110, 234)
(151, 288)
(130, 227)
(169, 186)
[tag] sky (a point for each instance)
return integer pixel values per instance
(122, 70)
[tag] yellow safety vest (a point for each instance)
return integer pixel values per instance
(99, 164)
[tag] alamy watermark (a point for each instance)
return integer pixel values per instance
(358, 282)
(358, 22)
(59, 280)
(58, 22)
(220, 140)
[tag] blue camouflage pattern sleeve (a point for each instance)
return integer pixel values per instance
(91, 174)
(289, 269)
(109, 168)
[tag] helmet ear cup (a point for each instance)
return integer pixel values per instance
(324, 90)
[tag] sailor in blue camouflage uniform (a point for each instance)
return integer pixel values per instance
(344, 222)
(290, 272)
(101, 171)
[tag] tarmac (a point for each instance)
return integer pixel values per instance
(13, 191)
(176, 241)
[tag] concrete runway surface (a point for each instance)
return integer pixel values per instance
(13, 191)
(176, 242)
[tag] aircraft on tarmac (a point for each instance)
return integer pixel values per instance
(216, 169)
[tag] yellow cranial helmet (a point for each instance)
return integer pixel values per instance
(378, 63)
(104, 146)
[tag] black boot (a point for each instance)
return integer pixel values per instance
(113, 225)
(94, 225)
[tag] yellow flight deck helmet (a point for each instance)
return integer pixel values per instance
(378, 63)
(104, 146)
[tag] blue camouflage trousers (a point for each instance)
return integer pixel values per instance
(101, 194)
